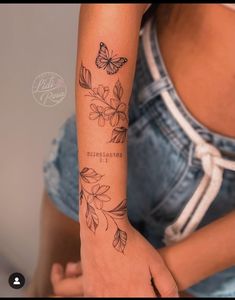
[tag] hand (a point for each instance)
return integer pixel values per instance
(108, 273)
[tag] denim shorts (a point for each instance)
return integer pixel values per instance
(163, 172)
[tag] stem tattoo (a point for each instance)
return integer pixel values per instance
(95, 195)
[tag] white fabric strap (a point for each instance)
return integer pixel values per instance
(212, 162)
(229, 5)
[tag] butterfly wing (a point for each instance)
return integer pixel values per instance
(115, 64)
(102, 59)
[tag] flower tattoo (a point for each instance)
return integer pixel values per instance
(106, 109)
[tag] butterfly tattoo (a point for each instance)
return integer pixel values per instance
(109, 62)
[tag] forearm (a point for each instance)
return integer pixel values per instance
(102, 91)
(206, 252)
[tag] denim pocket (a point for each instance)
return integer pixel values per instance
(154, 168)
(171, 206)
(178, 195)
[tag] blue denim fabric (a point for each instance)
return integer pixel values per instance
(162, 170)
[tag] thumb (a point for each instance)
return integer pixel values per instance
(62, 286)
(57, 273)
(73, 269)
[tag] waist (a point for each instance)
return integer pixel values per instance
(147, 90)
(201, 69)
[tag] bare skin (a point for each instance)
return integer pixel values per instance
(60, 253)
(198, 46)
(59, 242)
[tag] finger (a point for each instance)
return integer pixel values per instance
(57, 273)
(162, 282)
(69, 287)
(73, 269)
(153, 285)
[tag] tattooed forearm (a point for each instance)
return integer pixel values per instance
(107, 61)
(107, 108)
(95, 196)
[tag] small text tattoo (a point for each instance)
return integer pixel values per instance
(104, 156)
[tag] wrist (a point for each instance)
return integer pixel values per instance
(173, 257)
(103, 229)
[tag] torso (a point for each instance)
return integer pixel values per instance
(197, 42)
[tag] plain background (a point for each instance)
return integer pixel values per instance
(35, 38)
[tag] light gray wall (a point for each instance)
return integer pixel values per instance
(35, 38)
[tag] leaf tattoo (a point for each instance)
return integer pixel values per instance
(118, 135)
(120, 210)
(96, 196)
(85, 78)
(107, 108)
(118, 90)
(120, 240)
(92, 219)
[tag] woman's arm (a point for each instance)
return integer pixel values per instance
(116, 260)
(206, 252)
(107, 46)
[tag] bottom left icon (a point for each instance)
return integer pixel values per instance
(16, 280)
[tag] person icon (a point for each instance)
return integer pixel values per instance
(17, 281)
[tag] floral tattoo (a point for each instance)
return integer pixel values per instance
(106, 108)
(95, 195)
